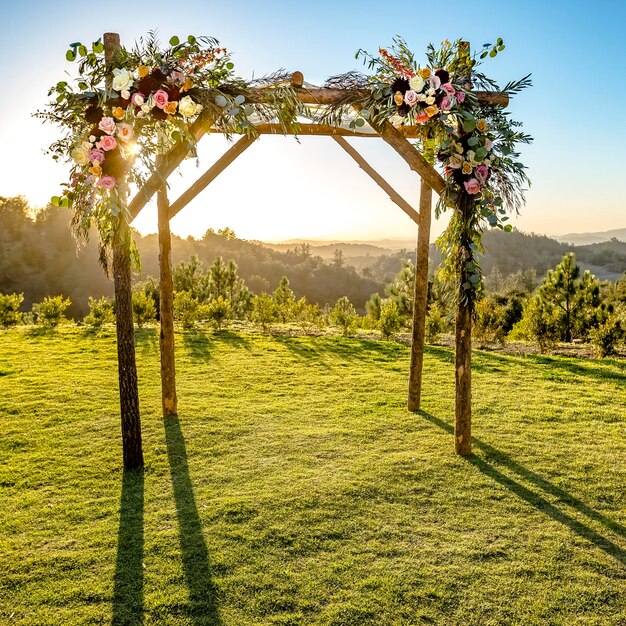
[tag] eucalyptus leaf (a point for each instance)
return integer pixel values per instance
(70, 56)
(469, 125)
(174, 41)
(221, 101)
(240, 99)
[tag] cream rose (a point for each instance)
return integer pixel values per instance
(417, 83)
(125, 132)
(188, 108)
(107, 124)
(122, 79)
(455, 161)
(80, 155)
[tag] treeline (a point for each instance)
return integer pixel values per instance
(39, 258)
(516, 251)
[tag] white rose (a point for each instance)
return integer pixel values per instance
(146, 108)
(430, 92)
(488, 144)
(430, 100)
(417, 83)
(86, 145)
(421, 97)
(80, 155)
(122, 79)
(125, 94)
(188, 108)
(471, 157)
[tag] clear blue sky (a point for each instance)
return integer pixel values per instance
(280, 189)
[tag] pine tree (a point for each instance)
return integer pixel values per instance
(285, 299)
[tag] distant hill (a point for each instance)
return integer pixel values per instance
(598, 237)
(510, 252)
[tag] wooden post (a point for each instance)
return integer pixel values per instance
(169, 399)
(463, 317)
(463, 339)
(127, 367)
(420, 298)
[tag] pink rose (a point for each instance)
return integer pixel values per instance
(160, 98)
(472, 186)
(125, 131)
(96, 155)
(488, 144)
(449, 89)
(410, 97)
(446, 104)
(107, 182)
(435, 81)
(107, 124)
(482, 173)
(108, 143)
(460, 96)
(138, 99)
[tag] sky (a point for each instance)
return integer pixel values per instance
(281, 189)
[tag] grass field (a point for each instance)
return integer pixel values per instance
(295, 488)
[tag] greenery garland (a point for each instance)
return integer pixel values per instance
(475, 144)
(117, 116)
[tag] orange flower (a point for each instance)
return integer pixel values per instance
(170, 107)
(143, 70)
(187, 85)
(424, 72)
(466, 169)
(431, 110)
(482, 126)
(96, 170)
(398, 98)
(118, 113)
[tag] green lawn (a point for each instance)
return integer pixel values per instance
(295, 488)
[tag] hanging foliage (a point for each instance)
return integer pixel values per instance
(118, 115)
(476, 143)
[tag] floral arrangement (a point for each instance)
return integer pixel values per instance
(119, 113)
(476, 144)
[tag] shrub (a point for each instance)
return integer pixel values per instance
(343, 315)
(50, 311)
(217, 312)
(489, 320)
(608, 335)
(185, 309)
(539, 324)
(264, 310)
(100, 312)
(390, 321)
(436, 323)
(144, 309)
(307, 315)
(10, 309)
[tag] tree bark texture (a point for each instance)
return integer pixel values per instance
(420, 298)
(127, 367)
(169, 398)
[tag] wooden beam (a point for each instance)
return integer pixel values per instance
(420, 299)
(169, 398)
(326, 130)
(394, 196)
(411, 155)
(211, 174)
(169, 163)
(323, 95)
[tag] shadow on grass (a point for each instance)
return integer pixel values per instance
(609, 369)
(199, 344)
(42, 331)
(203, 607)
(128, 581)
(146, 339)
(536, 499)
(345, 348)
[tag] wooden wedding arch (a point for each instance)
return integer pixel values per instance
(397, 138)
